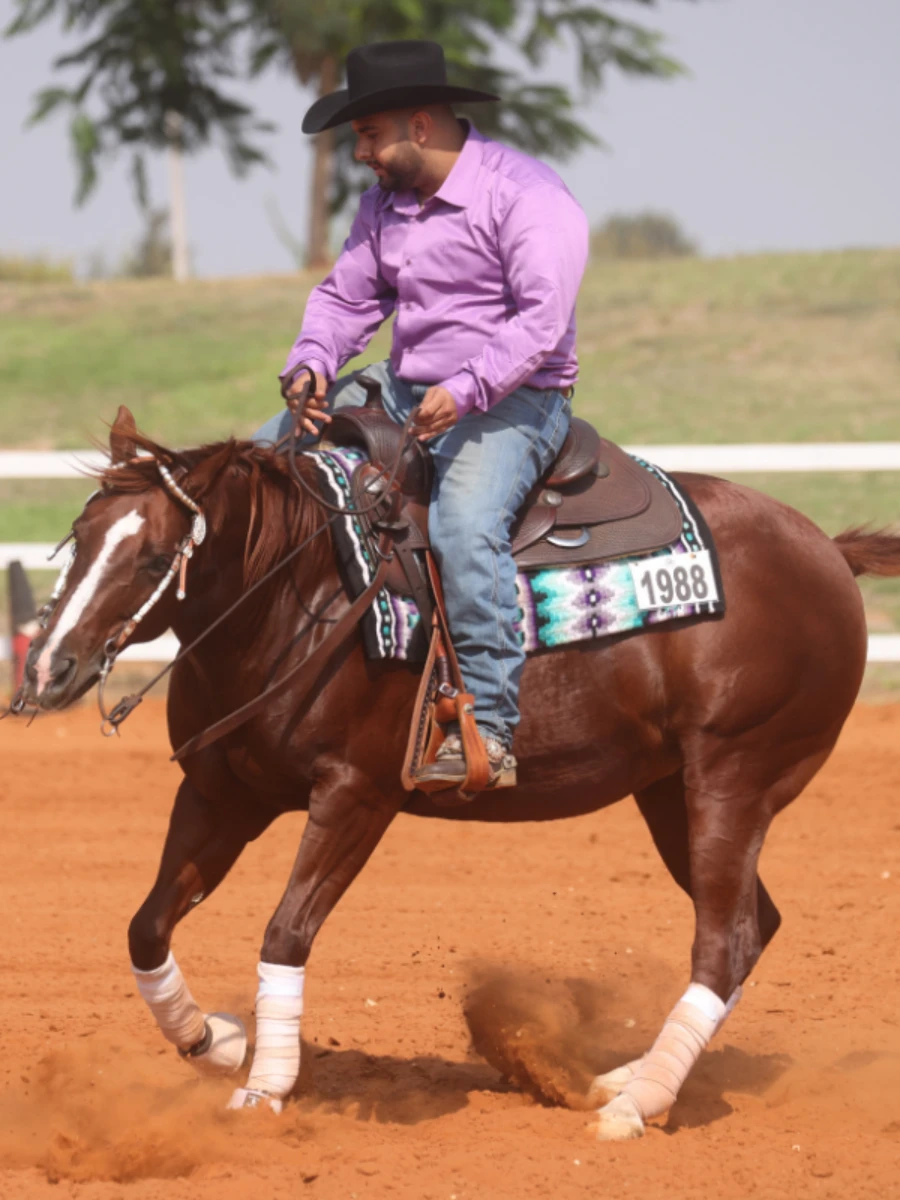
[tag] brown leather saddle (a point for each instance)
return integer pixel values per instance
(594, 503)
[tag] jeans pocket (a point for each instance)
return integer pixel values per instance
(526, 409)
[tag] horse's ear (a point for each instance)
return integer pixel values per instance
(204, 473)
(122, 445)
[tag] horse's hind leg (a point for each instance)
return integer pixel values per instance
(663, 807)
(726, 815)
(202, 844)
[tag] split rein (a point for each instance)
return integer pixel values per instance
(111, 720)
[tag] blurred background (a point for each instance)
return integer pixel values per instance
(162, 219)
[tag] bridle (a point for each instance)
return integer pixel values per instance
(111, 720)
(178, 566)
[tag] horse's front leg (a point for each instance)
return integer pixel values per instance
(346, 823)
(202, 843)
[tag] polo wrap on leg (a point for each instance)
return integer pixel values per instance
(687, 1032)
(620, 1076)
(279, 1006)
(169, 999)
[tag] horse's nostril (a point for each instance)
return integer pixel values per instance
(63, 669)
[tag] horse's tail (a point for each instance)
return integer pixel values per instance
(870, 551)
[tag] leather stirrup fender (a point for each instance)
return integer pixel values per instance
(441, 699)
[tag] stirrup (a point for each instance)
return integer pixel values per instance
(447, 781)
(450, 765)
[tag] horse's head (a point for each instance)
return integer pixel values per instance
(126, 548)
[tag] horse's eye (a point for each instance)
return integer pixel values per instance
(158, 565)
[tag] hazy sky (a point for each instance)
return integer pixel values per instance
(785, 137)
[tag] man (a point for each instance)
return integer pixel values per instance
(479, 251)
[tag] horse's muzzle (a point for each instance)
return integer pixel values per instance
(52, 685)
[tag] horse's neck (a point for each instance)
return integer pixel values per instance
(215, 583)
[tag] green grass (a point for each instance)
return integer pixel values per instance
(769, 348)
(39, 510)
(792, 347)
(795, 347)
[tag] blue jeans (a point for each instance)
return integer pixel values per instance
(485, 466)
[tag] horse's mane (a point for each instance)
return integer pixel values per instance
(281, 514)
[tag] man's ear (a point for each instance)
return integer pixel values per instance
(421, 124)
(122, 445)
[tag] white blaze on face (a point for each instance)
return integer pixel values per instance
(81, 598)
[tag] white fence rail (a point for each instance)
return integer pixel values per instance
(33, 556)
(729, 459)
(724, 459)
(160, 650)
(883, 648)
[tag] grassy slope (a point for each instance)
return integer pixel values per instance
(764, 348)
(774, 347)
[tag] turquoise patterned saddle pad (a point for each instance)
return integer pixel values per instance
(556, 607)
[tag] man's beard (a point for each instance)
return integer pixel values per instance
(401, 177)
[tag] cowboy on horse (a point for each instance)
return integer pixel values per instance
(479, 250)
(713, 720)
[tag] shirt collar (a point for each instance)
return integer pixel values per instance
(459, 186)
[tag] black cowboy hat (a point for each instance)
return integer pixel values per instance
(386, 75)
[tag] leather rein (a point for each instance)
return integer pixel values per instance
(304, 675)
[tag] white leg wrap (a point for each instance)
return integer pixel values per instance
(169, 999)
(658, 1076)
(276, 1060)
(224, 1048)
(604, 1087)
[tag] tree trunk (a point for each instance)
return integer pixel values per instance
(181, 266)
(317, 250)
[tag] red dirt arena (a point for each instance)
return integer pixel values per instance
(556, 950)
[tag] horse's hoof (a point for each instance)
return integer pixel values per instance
(224, 1047)
(251, 1098)
(618, 1121)
(606, 1087)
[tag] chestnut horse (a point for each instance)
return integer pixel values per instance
(713, 725)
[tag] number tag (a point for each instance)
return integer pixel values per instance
(673, 580)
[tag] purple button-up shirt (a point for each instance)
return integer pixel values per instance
(483, 278)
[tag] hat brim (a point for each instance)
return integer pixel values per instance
(337, 108)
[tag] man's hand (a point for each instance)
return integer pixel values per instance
(436, 414)
(315, 405)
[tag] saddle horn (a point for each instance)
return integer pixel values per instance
(373, 392)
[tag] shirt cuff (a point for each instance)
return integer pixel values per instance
(315, 364)
(464, 390)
